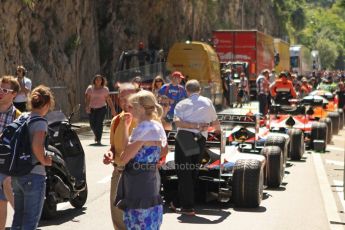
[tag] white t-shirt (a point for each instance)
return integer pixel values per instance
(23, 97)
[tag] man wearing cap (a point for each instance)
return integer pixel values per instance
(262, 86)
(25, 88)
(282, 89)
(174, 91)
(305, 88)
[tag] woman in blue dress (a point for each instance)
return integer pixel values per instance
(139, 186)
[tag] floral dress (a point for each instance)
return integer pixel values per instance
(135, 184)
(150, 218)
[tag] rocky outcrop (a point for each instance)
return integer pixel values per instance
(63, 43)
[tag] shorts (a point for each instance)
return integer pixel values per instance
(2, 194)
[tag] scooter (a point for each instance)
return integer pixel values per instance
(66, 178)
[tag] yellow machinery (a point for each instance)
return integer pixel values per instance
(198, 60)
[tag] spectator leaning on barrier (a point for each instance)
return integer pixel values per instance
(117, 134)
(193, 116)
(25, 87)
(9, 87)
(96, 99)
(174, 91)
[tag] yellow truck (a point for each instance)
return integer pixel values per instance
(282, 49)
(198, 60)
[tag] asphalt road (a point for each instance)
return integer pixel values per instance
(310, 198)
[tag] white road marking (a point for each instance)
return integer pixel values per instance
(338, 163)
(340, 191)
(327, 196)
(334, 148)
(104, 180)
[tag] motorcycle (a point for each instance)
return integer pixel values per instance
(66, 178)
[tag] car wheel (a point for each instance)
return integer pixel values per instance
(247, 187)
(273, 170)
(296, 149)
(329, 125)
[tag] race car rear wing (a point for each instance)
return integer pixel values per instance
(213, 139)
(237, 119)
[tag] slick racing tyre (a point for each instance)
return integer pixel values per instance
(329, 125)
(296, 149)
(318, 132)
(279, 141)
(274, 169)
(335, 118)
(247, 187)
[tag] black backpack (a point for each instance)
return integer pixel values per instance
(15, 147)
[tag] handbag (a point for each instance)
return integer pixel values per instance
(188, 142)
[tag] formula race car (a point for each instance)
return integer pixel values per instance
(246, 132)
(225, 173)
(301, 123)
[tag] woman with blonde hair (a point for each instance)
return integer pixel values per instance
(29, 190)
(157, 83)
(138, 190)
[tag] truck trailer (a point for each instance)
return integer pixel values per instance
(250, 46)
(301, 60)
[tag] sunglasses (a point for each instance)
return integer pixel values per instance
(164, 104)
(5, 91)
(159, 81)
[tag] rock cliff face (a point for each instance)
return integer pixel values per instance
(63, 43)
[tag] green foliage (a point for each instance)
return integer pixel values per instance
(328, 52)
(72, 44)
(317, 24)
(298, 19)
(30, 3)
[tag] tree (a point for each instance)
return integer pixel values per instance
(328, 52)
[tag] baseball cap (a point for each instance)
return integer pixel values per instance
(177, 74)
(283, 73)
(265, 71)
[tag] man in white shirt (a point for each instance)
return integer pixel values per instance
(193, 116)
(25, 87)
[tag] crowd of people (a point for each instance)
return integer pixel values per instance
(279, 88)
(25, 193)
(138, 141)
(137, 137)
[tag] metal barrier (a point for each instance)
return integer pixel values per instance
(114, 95)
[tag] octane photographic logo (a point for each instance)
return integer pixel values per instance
(150, 167)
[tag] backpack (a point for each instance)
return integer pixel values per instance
(15, 147)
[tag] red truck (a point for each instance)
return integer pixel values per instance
(251, 46)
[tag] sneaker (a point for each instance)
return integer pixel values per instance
(188, 212)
